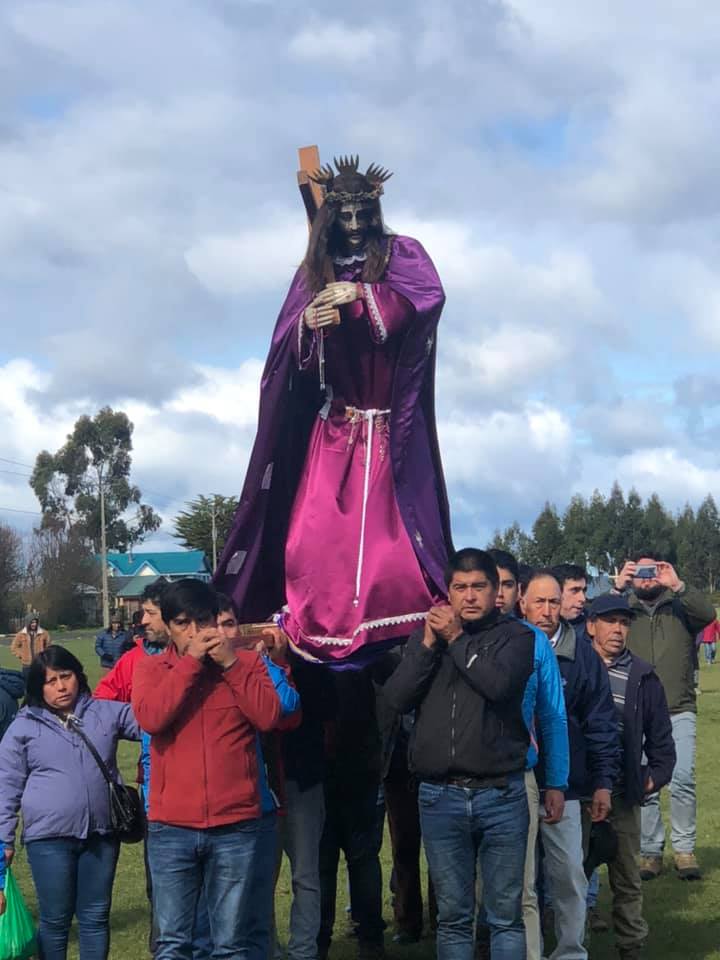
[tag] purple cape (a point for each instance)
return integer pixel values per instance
(252, 566)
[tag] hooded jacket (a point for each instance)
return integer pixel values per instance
(592, 724)
(48, 773)
(664, 635)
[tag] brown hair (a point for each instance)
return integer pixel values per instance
(317, 263)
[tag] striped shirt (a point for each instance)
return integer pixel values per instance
(618, 673)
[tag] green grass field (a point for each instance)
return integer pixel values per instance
(683, 917)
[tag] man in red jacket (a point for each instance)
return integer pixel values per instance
(212, 815)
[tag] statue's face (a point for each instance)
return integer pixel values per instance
(353, 225)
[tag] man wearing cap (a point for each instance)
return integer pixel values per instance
(645, 735)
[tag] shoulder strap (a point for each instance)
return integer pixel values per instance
(74, 724)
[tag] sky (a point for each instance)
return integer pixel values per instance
(557, 160)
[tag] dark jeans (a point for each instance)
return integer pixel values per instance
(234, 866)
(466, 830)
(401, 804)
(351, 825)
(74, 877)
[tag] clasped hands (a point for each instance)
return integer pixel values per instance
(209, 642)
(442, 622)
(322, 312)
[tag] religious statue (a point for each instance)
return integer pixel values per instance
(342, 528)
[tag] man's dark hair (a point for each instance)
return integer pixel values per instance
(54, 658)
(569, 571)
(225, 604)
(505, 561)
(646, 552)
(468, 559)
(153, 592)
(194, 598)
(538, 574)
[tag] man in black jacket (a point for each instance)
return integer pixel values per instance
(465, 674)
(594, 761)
(645, 726)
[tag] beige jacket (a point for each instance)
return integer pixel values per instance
(25, 649)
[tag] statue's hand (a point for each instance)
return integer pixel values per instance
(319, 315)
(339, 292)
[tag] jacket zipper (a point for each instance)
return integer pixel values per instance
(452, 728)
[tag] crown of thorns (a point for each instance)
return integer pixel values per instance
(375, 176)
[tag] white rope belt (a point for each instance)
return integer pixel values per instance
(369, 417)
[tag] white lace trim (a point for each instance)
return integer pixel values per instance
(368, 625)
(375, 314)
(349, 261)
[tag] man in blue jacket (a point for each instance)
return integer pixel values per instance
(648, 758)
(594, 760)
(544, 712)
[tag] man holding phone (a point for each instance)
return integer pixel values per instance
(211, 822)
(668, 615)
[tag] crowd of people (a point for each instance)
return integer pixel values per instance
(521, 736)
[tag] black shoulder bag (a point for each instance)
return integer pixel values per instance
(126, 812)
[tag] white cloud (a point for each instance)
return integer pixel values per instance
(258, 259)
(337, 43)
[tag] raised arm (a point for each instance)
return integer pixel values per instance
(160, 690)
(407, 686)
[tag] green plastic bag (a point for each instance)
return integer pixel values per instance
(17, 929)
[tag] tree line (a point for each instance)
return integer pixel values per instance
(602, 532)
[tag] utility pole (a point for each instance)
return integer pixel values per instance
(103, 552)
(213, 514)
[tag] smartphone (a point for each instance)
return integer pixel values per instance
(647, 572)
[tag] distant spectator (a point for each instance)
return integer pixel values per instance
(573, 580)
(136, 624)
(12, 687)
(112, 643)
(710, 636)
(30, 641)
(668, 617)
(48, 774)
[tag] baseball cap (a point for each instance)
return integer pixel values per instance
(610, 603)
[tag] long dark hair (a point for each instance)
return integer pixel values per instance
(317, 263)
(54, 658)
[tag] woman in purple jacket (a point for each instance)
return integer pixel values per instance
(48, 774)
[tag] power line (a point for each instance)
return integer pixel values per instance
(32, 513)
(17, 463)
(14, 473)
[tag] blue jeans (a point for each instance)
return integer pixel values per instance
(466, 831)
(682, 796)
(234, 867)
(74, 877)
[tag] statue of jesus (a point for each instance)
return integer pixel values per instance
(342, 528)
